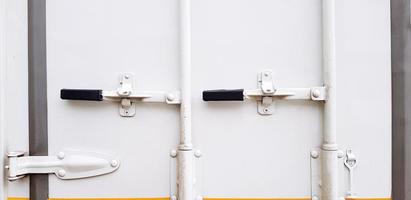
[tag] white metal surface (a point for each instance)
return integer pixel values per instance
(3, 63)
(14, 86)
(244, 154)
(131, 44)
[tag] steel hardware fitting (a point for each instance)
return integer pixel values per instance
(266, 94)
(317, 157)
(193, 155)
(128, 97)
(124, 94)
(350, 161)
(65, 165)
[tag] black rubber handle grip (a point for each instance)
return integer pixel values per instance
(83, 95)
(223, 95)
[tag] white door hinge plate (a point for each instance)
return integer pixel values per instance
(66, 165)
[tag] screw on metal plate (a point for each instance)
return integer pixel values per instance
(314, 154)
(350, 162)
(265, 82)
(173, 97)
(173, 153)
(127, 108)
(198, 153)
(315, 173)
(318, 94)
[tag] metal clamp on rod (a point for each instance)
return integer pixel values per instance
(266, 94)
(124, 94)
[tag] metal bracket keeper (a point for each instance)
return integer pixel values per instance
(125, 95)
(266, 94)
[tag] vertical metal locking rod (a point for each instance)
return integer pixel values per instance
(185, 149)
(329, 174)
(185, 62)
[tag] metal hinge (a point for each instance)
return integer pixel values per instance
(66, 165)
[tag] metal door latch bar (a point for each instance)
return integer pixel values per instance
(66, 165)
(266, 94)
(124, 94)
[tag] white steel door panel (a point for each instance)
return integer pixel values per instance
(14, 86)
(249, 154)
(89, 44)
(260, 156)
(243, 154)
(365, 83)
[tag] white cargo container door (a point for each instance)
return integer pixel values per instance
(244, 154)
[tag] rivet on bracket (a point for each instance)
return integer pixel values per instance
(265, 82)
(126, 108)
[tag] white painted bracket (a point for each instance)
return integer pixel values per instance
(268, 93)
(265, 82)
(315, 167)
(197, 177)
(128, 98)
(66, 165)
(126, 107)
(350, 161)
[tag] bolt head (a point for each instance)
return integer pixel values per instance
(61, 155)
(114, 163)
(316, 93)
(173, 153)
(197, 153)
(171, 97)
(315, 154)
(61, 173)
(340, 154)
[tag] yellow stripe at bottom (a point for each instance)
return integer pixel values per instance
(148, 198)
(205, 198)
(17, 198)
(284, 198)
(302, 198)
